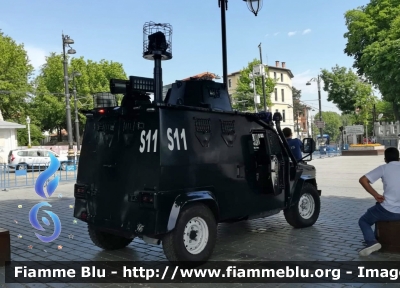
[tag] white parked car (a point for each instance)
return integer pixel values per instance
(22, 159)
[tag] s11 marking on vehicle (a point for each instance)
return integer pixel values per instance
(175, 137)
(147, 137)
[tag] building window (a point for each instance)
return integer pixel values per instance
(230, 83)
(304, 125)
(275, 75)
(276, 94)
(283, 116)
(281, 77)
(283, 95)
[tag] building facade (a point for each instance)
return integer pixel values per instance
(303, 123)
(8, 138)
(281, 97)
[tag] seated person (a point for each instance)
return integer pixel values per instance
(294, 144)
(387, 207)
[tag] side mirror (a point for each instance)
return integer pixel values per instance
(308, 145)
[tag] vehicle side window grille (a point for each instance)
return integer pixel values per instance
(202, 125)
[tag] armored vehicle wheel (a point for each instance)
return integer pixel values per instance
(305, 213)
(194, 236)
(106, 240)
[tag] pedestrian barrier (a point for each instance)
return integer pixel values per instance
(12, 176)
(326, 154)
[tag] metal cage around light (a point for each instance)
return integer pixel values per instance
(157, 40)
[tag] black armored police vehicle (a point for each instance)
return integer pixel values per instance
(169, 170)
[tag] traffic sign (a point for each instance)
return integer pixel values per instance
(355, 130)
(320, 124)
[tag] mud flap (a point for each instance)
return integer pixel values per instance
(298, 186)
(186, 198)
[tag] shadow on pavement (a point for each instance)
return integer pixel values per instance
(335, 236)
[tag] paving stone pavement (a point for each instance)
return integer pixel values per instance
(335, 236)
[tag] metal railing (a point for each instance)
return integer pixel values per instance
(326, 154)
(13, 176)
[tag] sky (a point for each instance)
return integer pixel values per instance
(307, 35)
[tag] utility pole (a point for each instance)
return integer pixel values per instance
(308, 127)
(223, 5)
(263, 80)
(319, 101)
(373, 121)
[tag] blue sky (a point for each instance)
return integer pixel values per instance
(307, 34)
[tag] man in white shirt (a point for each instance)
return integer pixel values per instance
(387, 207)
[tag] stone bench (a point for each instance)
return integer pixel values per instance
(388, 235)
(5, 245)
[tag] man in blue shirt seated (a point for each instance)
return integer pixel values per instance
(294, 144)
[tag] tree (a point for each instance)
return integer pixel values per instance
(332, 123)
(15, 71)
(373, 42)
(345, 88)
(347, 119)
(386, 108)
(245, 92)
(36, 135)
(349, 92)
(297, 106)
(49, 102)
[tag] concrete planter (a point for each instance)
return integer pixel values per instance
(364, 151)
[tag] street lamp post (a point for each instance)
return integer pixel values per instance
(28, 121)
(318, 80)
(76, 74)
(254, 6)
(66, 40)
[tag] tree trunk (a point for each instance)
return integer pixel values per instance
(59, 136)
(396, 111)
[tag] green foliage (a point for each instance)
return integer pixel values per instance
(36, 136)
(348, 119)
(386, 109)
(15, 71)
(297, 106)
(49, 103)
(245, 92)
(332, 123)
(346, 89)
(373, 40)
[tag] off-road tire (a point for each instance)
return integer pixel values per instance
(106, 240)
(173, 242)
(292, 214)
